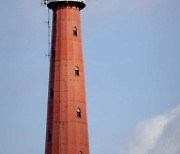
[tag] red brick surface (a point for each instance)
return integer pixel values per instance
(66, 133)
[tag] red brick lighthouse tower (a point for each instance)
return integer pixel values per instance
(66, 131)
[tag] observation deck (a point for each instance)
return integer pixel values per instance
(79, 3)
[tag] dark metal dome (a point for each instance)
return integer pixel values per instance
(80, 3)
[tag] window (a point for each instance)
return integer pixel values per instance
(77, 71)
(78, 112)
(53, 52)
(49, 136)
(51, 93)
(80, 152)
(55, 16)
(75, 31)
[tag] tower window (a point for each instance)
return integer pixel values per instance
(80, 152)
(78, 112)
(75, 31)
(51, 93)
(55, 16)
(53, 52)
(77, 71)
(49, 136)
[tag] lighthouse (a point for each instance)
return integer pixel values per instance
(67, 128)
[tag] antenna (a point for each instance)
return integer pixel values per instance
(49, 35)
(44, 3)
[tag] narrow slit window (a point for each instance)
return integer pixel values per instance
(77, 71)
(78, 112)
(75, 31)
(49, 136)
(55, 16)
(53, 52)
(51, 93)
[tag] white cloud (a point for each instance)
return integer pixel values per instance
(159, 135)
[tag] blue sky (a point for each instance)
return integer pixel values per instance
(131, 55)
